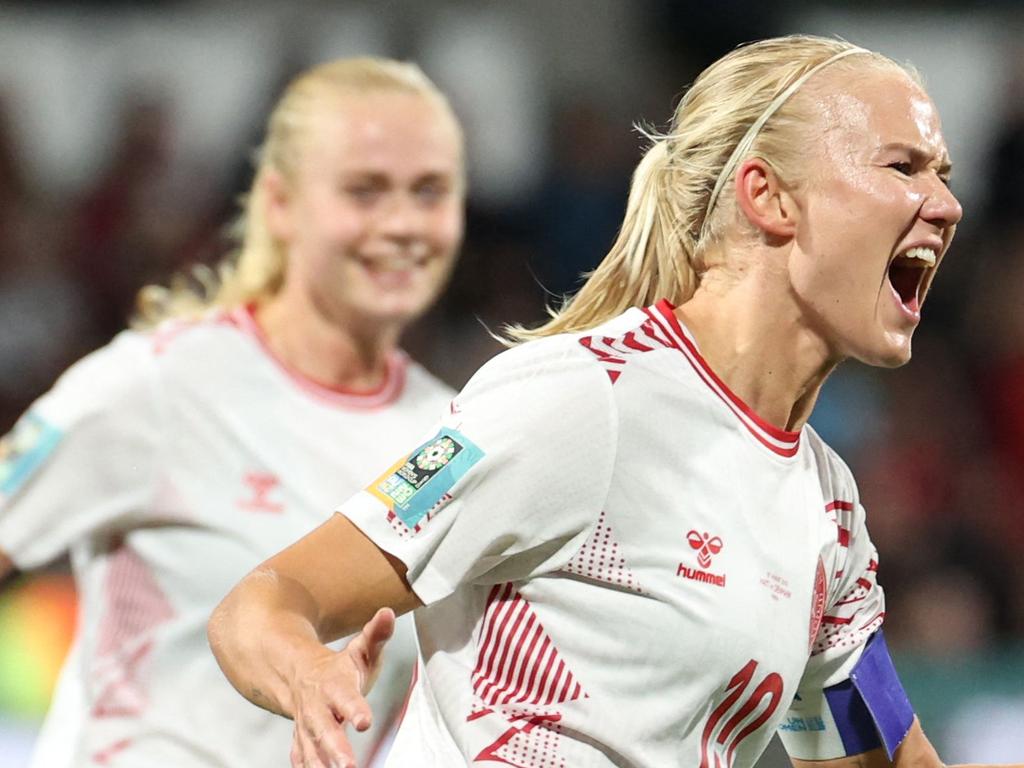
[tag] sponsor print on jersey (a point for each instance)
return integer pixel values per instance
(24, 450)
(416, 484)
(706, 546)
(802, 724)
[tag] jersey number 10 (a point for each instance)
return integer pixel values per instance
(721, 748)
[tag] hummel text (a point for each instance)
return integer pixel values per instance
(704, 577)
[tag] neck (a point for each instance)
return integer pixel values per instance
(768, 357)
(338, 354)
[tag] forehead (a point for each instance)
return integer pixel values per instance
(876, 107)
(383, 132)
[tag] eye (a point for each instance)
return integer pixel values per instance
(903, 167)
(431, 192)
(364, 194)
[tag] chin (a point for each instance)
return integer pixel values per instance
(399, 309)
(890, 358)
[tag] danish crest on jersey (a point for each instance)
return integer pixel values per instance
(415, 485)
(23, 450)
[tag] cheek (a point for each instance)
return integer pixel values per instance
(446, 227)
(338, 224)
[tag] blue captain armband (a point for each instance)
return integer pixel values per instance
(871, 709)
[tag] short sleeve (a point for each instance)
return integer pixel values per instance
(82, 459)
(853, 613)
(510, 483)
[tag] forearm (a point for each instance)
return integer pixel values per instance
(261, 633)
(916, 751)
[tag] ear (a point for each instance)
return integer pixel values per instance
(277, 205)
(767, 205)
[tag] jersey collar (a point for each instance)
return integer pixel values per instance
(779, 441)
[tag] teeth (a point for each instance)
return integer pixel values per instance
(925, 255)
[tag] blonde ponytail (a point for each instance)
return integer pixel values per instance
(680, 200)
(648, 260)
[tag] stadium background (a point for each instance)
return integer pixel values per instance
(125, 133)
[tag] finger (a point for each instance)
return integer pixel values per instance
(355, 712)
(335, 749)
(379, 629)
(367, 648)
(304, 749)
(317, 734)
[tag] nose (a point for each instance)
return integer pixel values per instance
(400, 218)
(941, 206)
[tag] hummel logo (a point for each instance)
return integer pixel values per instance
(706, 546)
(261, 484)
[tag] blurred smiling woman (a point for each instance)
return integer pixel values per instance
(176, 458)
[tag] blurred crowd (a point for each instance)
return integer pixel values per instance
(937, 446)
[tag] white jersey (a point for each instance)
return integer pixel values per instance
(170, 464)
(621, 564)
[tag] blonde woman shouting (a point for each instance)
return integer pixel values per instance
(624, 546)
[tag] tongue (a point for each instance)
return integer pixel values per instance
(905, 281)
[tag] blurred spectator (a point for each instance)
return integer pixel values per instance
(133, 225)
(580, 205)
(41, 311)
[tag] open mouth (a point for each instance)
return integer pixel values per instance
(910, 274)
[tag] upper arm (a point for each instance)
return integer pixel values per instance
(83, 457)
(345, 575)
(509, 486)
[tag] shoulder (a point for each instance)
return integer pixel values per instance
(556, 366)
(180, 337)
(113, 387)
(837, 481)
(420, 381)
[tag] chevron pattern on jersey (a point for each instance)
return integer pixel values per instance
(613, 353)
(517, 662)
(600, 559)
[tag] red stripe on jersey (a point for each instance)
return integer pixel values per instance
(516, 657)
(846, 506)
(529, 692)
(613, 353)
(843, 536)
(777, 440)
(631, 341)
(836, 619)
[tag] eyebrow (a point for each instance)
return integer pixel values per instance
(919, 155)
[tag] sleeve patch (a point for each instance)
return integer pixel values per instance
(23, 450)
(416, 483)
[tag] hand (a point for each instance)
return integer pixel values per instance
(328, 695)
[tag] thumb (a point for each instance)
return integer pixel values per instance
(367, 648)
(377, 631)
